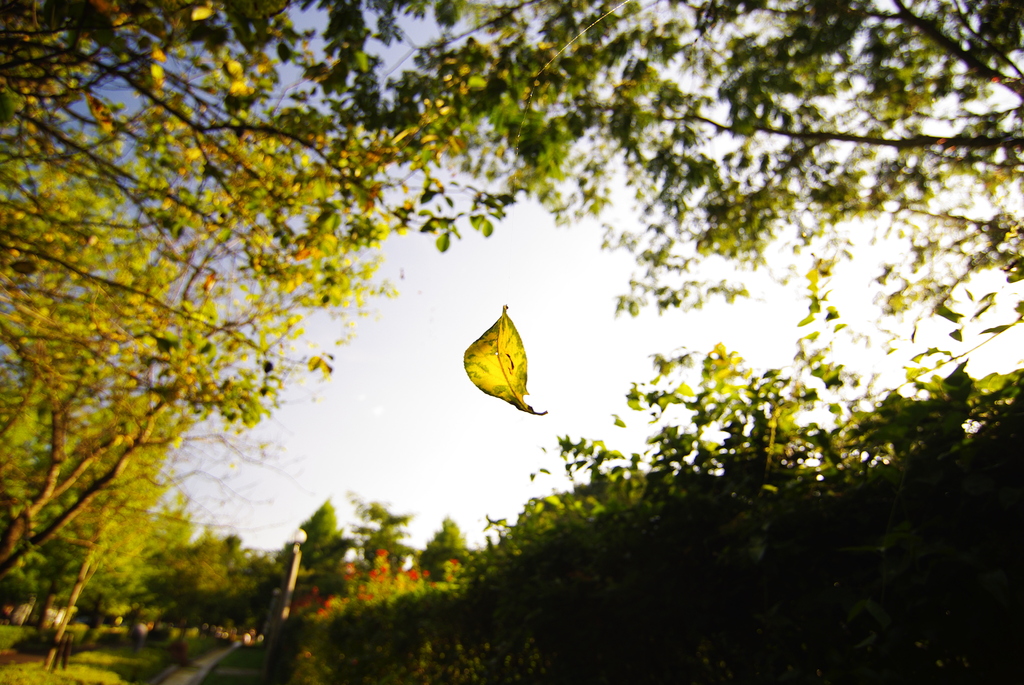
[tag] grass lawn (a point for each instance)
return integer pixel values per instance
(106, 666)
(33, 674)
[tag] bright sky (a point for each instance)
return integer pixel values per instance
(401, 423)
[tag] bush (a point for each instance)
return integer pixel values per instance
(12, 636)
(890, 553)
(107, 635)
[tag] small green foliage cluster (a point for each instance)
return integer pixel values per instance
(11, 636)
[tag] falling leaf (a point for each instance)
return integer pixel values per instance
(496, 363)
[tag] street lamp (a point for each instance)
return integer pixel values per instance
(280, 613)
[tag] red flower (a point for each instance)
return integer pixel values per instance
(413, 575)
(382, 552)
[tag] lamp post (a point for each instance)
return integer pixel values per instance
(282, 607)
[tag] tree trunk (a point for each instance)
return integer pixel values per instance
(43, 622)
(83, 577)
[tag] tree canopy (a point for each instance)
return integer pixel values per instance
(181, 184)
(448, 543)
(739, 126)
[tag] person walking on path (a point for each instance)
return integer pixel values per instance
(138, 635)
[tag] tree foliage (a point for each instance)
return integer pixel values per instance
(137, 564)
(211, 579)
(181, 184)
(448, 543)
(746, 544)
(324, 552)
(742, 125)
(381, 529)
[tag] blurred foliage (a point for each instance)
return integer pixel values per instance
(749, 130)
(447, 544)
(381, 529)
(173, 571)
(180, 185)
(323, 553)
(10, 636)
(32, 674)
(106, 666)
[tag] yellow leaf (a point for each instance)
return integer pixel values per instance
(239, 88)
(157, 72)
(200, 13)
(159, 55)
(496, 363)
(403, 134)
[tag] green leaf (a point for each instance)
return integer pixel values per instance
(167, 343)
(362, 61)
(6, 107)
(284, 52)
(496, 363)
(957, 335)
(947, 313)
(482, 224)
(444, 241)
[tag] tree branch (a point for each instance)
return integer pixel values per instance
(946, 142)
(952, 47)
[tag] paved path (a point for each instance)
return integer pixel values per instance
(196, 671)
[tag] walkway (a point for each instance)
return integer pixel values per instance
(196, 671)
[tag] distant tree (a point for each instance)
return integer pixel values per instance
(324, 551)
(210, 579)
(447, 544)
(380, 529)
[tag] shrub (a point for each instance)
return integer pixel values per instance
(891, 554)
(12, 636)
